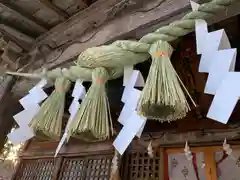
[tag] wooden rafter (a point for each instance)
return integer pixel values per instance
(138, 24)
(41, 26)
(54, 8)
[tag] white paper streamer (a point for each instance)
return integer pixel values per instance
(218, 59)
(129, 130)
(79, 92)
(226, 98)
(136, 80)
(133, 124)
(223, 61)
(194, 5)
(127, 74)
(31, 107)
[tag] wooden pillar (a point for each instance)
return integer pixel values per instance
(57, 168)
(8, 107)
(211, 172)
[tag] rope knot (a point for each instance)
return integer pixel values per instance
(160, 53)
(100, 75)
(161, 49)
(62, 84)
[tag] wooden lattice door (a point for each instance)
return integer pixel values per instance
(35, 169)
(139, 166)
(86, 168)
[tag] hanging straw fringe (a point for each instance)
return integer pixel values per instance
(93, 120)
(48, 122)
(162, 97)
(115, 174)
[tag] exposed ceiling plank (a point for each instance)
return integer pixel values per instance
(132, 23)
(21, 39)
(38, 24)
(56, 9)
(28, 31)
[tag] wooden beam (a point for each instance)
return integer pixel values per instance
(132, 24)
(210, 162)
(37, 24)
(57, 168)
(56, 9)
(22, 40)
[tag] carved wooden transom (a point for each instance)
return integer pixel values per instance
(138, 165)
(90, 167)
(40, 169)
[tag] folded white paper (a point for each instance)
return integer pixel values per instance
(27, 101)
(24, 117)
(217, 40)
(20, 135)
(129, 130)
(79, 90)
(201, 35)
(223, 61)
(226, 98)
(130, 106)
(136, 80)
(213, 42)
(31, 107)
(60, 144)
(200, 28)
(194, 5)
(73, 108)
(42, 83)
(139, 133)
(36, 95)
(127, 74)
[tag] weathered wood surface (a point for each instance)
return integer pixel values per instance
(7, 102)
(73, 148)
(72, 38)
(26, 18)
(159, 139)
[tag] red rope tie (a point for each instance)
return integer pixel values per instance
(194, 161)
(160, 53)
(100, 80)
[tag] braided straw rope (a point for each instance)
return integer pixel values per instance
(111, 59)
(187, 24)
(122, 53)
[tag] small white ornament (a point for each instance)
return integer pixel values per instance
(115, 162)
(150, 149)
(187, 152)
(228, 149)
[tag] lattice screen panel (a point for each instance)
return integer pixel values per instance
(40, 169)
(86, 168)
(139, 166)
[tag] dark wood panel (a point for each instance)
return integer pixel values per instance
(138, 165)
(40, 169)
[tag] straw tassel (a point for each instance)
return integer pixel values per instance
(115, 174)
(162, 97)
(93, 120)
(48, 122)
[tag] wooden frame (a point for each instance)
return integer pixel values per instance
(210, 163)
(136, 164)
